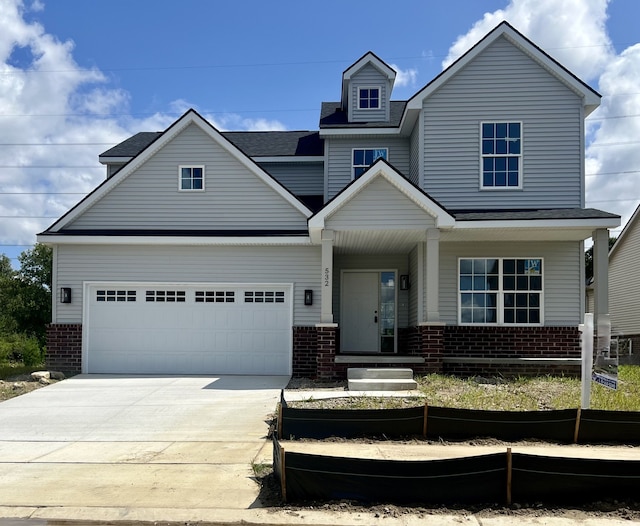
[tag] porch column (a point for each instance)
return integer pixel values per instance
(326, 279)
(601, 272)
(433, 275)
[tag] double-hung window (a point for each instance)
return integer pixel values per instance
(500, 291)
(362, 158)
(191, 178)
(368, 98)
(501, 155)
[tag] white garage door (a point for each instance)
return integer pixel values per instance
(188, 329)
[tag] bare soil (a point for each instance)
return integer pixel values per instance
(271, 495)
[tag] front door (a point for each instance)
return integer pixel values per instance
(368, 319)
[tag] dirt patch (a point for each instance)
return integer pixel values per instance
(21, 384)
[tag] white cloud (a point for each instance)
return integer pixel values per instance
(45, 98)
(405, 77)
(574, 32)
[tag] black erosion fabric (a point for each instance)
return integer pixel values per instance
(468, 480)
(444, 422)
(573, 480)
(347, 423)
(609, 426)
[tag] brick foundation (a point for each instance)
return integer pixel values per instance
(64, 347)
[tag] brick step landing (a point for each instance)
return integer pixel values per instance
(380, 379)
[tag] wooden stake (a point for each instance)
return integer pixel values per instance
(577, 429)
(424, 423)
(279, 421)
(283, 482)
(509, 466)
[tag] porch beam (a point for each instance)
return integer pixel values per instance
(433, 275)
(326, 278)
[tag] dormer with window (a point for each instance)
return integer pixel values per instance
(366, 90)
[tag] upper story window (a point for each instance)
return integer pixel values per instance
(191, 178)
(365, 157)
(368, 98)
(501, 155)
(500, 291)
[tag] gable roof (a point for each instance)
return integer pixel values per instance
(368, 58)
(380, 168)
(635, 217)
(190, 117)
(252, 143)
(590, 96)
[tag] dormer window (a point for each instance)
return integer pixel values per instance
(369, 98)
(191, 178)
(365, 157)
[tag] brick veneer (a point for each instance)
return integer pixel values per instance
(305, 351)
(511, 342)
(64, 347)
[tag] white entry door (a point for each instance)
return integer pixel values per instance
(368, 311)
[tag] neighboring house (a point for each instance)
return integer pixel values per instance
(624, 283)
(443, 233)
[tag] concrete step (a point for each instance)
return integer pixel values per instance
(373, 373)
(389, 384)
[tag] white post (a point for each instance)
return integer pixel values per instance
(326, 295)
(587, 359)
(433, 275)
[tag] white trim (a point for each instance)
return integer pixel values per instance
(365, 166)
(359, 88)
(190, 117)
(500, 292)
(172, 240)
(290, 159)
(337, 132)
(191, 167)
(369, 58)
(114, 160)
(519, 156)
(87, 285)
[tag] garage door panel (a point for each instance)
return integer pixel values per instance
(188, 329)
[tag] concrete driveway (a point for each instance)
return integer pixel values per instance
(95, 443)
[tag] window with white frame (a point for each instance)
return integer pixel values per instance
(501, 291)
(191, 178)
(501, 155)
(369, 98)
(362, 158)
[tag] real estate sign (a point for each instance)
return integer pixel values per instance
(605, 358)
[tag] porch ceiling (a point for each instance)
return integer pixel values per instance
(377, 242)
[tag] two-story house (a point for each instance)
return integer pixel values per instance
(443, 233)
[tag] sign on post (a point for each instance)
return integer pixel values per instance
(605, 360)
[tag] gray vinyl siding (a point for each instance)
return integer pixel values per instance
(503, 84)
(379, 205)
(624, 283)
(234, 197)
(561, 276)
(189, 264)
(414, 162)
(340, 158)
(298, 178)
(369, 77)
(399, 262)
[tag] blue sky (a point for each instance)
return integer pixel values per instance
(88, 74)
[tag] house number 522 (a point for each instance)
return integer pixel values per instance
(326, 277)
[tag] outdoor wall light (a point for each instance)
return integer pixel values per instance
(404, 282)
(308, 297)
(65, 295)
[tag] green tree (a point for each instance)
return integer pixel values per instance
(25, 294)
(588, 258)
